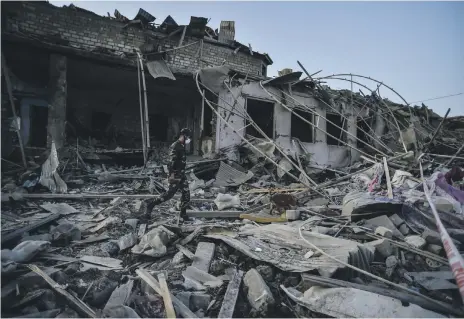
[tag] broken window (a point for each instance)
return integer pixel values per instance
(262, 113)
(38, 116)
(301, 129)
(100, 121)
(159, 127)
(335, 129)
(263, 69)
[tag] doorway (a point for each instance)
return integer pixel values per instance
(38, 117)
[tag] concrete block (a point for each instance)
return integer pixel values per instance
(431, 237)
(396, 220)
(384, 232)
(381, 246)
(404, 229)
(415, 241)
(384, 221)
(203, 256)
(259, 295)
(436, 249)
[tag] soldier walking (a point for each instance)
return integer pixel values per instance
(177, 179)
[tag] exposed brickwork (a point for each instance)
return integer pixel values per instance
(88, 31)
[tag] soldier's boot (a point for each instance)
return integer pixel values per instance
(183, 214)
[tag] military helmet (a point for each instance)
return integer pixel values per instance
(186, 132)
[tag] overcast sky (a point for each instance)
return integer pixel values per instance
(417, 48)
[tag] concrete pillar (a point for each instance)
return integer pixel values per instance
(57, 87)
(351, 127)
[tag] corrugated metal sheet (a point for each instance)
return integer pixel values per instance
(229, 176)
(159, 69)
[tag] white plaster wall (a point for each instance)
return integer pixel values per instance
(321, 154)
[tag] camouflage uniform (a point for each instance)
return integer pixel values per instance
(176, 167)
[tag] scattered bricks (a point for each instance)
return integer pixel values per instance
(384, 232)
(259, 295)
(382, 246)
(396, 220)
(203, 256)
(415, 241)
(436, 249)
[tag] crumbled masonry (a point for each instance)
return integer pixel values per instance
(305, 201)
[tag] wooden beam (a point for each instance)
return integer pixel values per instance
(183, 310)
(78, 305)
(170, 313)
(13, 109)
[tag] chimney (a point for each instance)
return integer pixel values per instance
(227, 32)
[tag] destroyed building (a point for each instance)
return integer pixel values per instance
(76, 72)
(305, 202)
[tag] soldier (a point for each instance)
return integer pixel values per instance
(177, 179)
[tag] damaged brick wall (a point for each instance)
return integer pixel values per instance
(88, 31)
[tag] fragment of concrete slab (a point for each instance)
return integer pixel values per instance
(203, 256)
(415, 241)
(355, 303)
(281, 246)
(185, 252)
(106, 262)
(142, 230)
(154, 242)
(107, 222)
(132, 222)
(284, 166)
(230, 298)
(61, 208)
(120, 295)
(436, 249)
(64, 233)
(383, 221)
(391, 263)
(120, 311)
(24, 251)
(404, 229)
(396, 220)
(178, 258)
(202, 277)
(431, 237)
(384, 232)
(229, 176)
(434, 280)
(127, 241)
(382, 246)
(224, 201)
(41, 237)
(259, 295)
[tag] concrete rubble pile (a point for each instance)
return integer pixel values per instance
(252, 249)
(357, 210)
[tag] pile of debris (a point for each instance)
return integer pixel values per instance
(363, 242)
